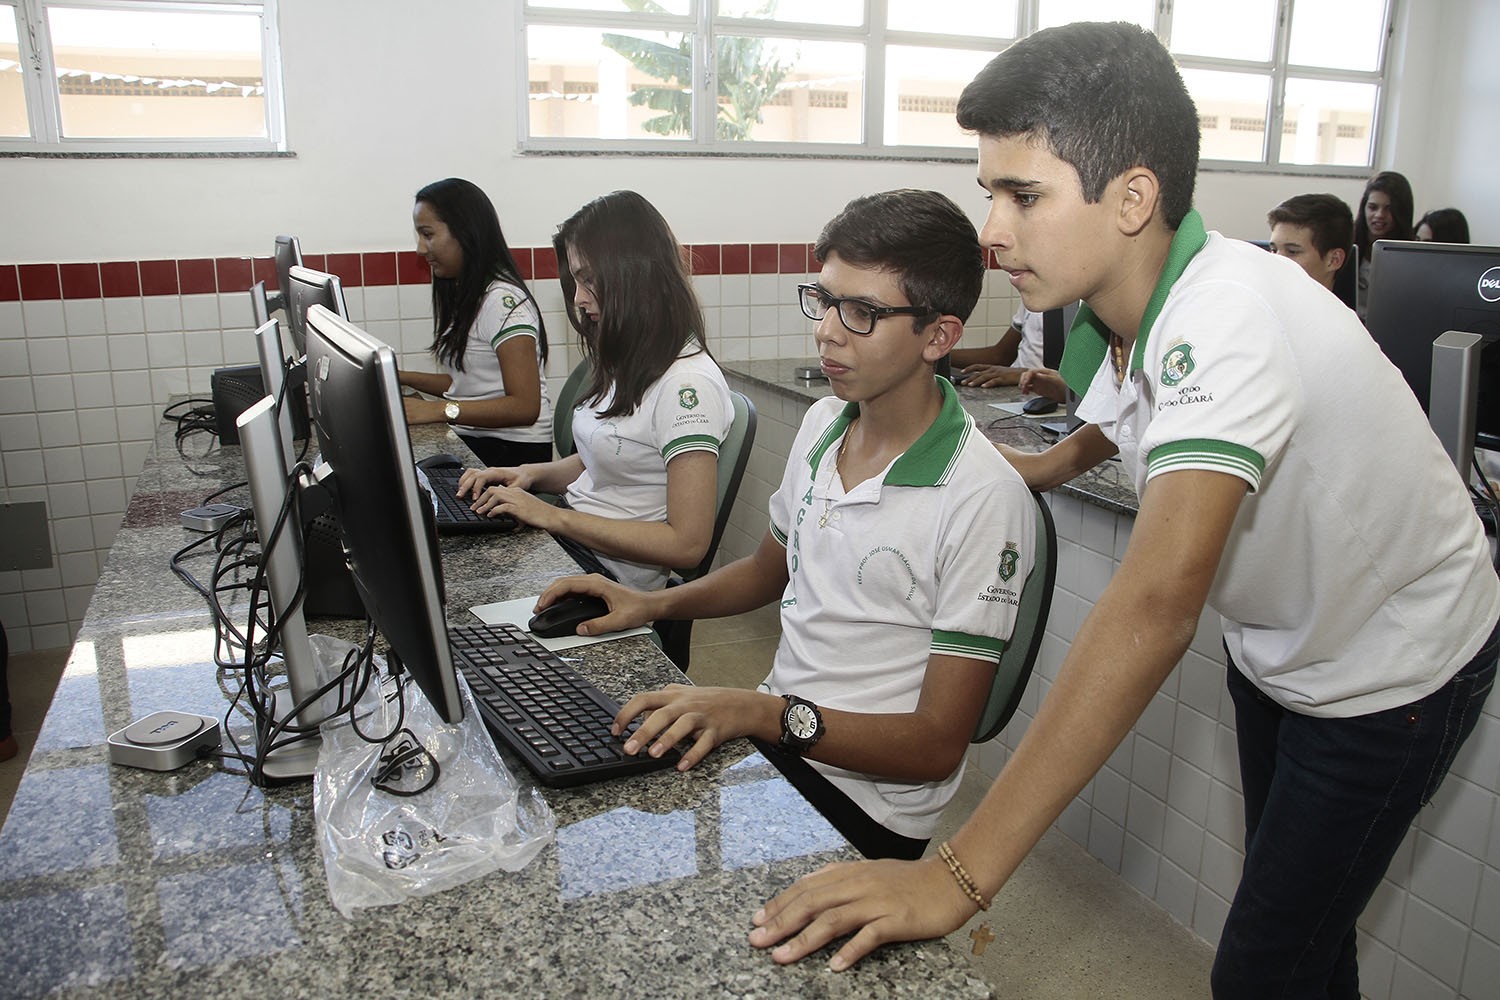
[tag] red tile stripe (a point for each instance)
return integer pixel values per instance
(123, 278)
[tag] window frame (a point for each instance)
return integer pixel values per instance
(703, 26)
(43, 96)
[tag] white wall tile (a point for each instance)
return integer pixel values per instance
(235, 312)
(415, 302)
(107, 496)
(58, 428)
(88, 354)
(47, 578)
(47, 355)
(1187, 791)
(12, 321)
(78, 569)
(44, 319)
(1377, 963)
(101, 460)
(1460, 815)
(1176, 892)
(201, 311)
(124, 315)
(94, 389)
(106, 526)
(1209, 911)
(24, 468)
(1410, 982)
(19, 430)
(127, 350)
(14, 358)
(1106, 840)
(203, 347)
(1433, 941)
(1445, 877)
(1481, 977)
(66, 501)
(132, 388)
(734, 290)
(163, 312)
(382, 303)
(45, 607)
(51, 636)
(83, 317)
(63, 465)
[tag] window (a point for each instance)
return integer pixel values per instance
(139, 76)
(1284, 85)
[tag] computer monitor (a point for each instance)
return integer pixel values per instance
(288, 254)
(1418, 291)
(306, 288)
(273, 375)
(386, 519)
(260, 305)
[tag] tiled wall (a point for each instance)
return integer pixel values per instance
(91, 353)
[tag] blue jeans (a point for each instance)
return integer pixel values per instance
(1327, 803)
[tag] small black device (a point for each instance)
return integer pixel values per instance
(210, 517)
(563, 617)
(801, 725)
(1039, 405)
(810, 373)
(433, 463)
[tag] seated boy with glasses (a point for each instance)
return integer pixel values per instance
(898, 543)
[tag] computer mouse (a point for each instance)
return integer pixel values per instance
(563, 617)
(1039, 405)
(433, 462)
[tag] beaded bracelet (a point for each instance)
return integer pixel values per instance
(961, 875)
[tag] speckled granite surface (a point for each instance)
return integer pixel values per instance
(125, 883)
(1104, 486)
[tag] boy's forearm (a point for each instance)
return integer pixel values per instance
(743, 585)
(1069, 458)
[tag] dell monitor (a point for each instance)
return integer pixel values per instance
(288, 254)
(1418, 291)
(306, 288)
(386, 519)
(260, 304)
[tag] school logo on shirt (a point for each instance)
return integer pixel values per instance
(1178, 364)
(509, 301)
(687, 397)
(1010, 558)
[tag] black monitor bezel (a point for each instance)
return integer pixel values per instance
(306, 288)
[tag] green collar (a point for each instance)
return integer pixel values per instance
(929, 460)
(1084, 354)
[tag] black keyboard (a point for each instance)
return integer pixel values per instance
(453, 514)
(543, 710)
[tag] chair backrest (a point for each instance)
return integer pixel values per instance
(1019, 655)
(734, 453)
(567, 402)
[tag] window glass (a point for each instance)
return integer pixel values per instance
(817, 94)
(612, 6)
(995, 19)
(921, 94)
(158, 74)
(12, 87)
(601, 84)
(842, 12)
(1232, 111)
(1245, 29)
(1339, 34)
(1051, 13)
(1327, 122)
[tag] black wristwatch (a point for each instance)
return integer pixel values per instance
(801, 725)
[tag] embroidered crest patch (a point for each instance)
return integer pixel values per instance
(1010, 558)
(687, 397)
(509, 301)
(1178, 364)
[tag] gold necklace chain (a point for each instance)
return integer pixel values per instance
(1117, 350)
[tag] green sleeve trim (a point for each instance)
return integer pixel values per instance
(778, 534)
(513, 331)
(974, 647)
(692, 442)
(1206, 453)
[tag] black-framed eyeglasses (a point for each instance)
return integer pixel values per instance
(857, 315)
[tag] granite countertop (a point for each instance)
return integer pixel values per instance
(116, 882)
(1104, 486)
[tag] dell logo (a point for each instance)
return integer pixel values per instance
(1489, 285)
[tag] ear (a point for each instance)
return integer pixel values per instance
(1336, 258)
(1137, 192)
(941, 336)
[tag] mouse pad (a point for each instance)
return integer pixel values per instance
(519, 611)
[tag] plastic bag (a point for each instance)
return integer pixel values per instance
(430, 808)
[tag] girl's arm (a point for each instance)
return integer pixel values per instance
(519, 407)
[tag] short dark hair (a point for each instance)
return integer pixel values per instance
(1327, 218)
(470, 216)
(1448, 225)
(1396, 187)
(921, 237)
(1103, 97)
(648, 310)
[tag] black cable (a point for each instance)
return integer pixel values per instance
(1491, 503)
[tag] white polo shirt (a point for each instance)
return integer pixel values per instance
(504, 312)
(927, 557)
(1356, 576)
(625, 458)
(1029, 352)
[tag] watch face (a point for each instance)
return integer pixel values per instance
(801, 722)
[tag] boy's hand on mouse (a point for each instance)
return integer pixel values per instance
(1044, 382)
(627, 608)
(707, 715)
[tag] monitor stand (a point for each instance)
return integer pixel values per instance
(269, 485)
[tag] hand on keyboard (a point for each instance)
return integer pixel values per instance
(706, 715)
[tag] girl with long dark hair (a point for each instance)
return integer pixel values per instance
(1385, 212)
(488, 333)
(640, 492)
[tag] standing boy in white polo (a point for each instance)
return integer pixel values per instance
(1287, 477)
(898, 544)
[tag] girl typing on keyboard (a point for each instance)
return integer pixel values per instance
(639, 493)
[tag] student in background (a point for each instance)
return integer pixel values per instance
(1361, 640)
(1315, 231)
(1002, 363)
(898, 543)
(639, 494)
(1443, 225)
(487, 332)
(1385, 213)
